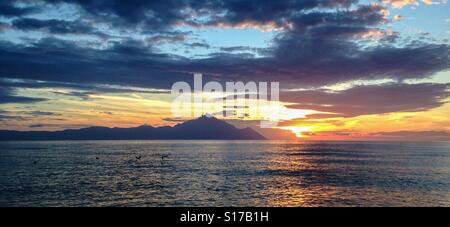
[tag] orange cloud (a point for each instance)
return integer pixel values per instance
(432, 2)
(269, 26)
(376, 34)
(398, 17)
(403, 3)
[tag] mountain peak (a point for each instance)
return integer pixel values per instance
(204, 119)
(207, 127)
(145, 126)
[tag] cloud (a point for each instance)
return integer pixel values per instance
(167, 38)
(55, 26)
(403, 3)
(19, 99)
(155, 13)
(38, 125)
(24, 115)
(270, 15)
(262, 51)
(75, 89)
(434, 2)
(373, 99)
(400, 3)
(4, 26)
(163, 14)
(308, 55)
(299, 58)
(83, 95)
(126, 63)
(321, 42)
(398, 17)
(413, 135)
(8, 8)
(65, 126)
(7, 96)
(177, 119)
(9, 118)
(198, 45)
(332, 60)
(42, 113)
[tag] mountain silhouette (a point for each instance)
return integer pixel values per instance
(203, 128)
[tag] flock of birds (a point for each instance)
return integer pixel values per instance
(140, 156)
(137, 158)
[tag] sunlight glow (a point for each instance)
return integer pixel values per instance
(298, 131)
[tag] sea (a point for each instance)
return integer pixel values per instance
(224, 173)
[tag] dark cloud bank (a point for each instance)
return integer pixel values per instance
(321, 42)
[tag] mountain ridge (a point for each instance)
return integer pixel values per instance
(202, 128)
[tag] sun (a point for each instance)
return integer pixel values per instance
(298, 131)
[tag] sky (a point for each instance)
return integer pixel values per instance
(347, 69)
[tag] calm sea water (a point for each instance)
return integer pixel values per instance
(223, 173)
